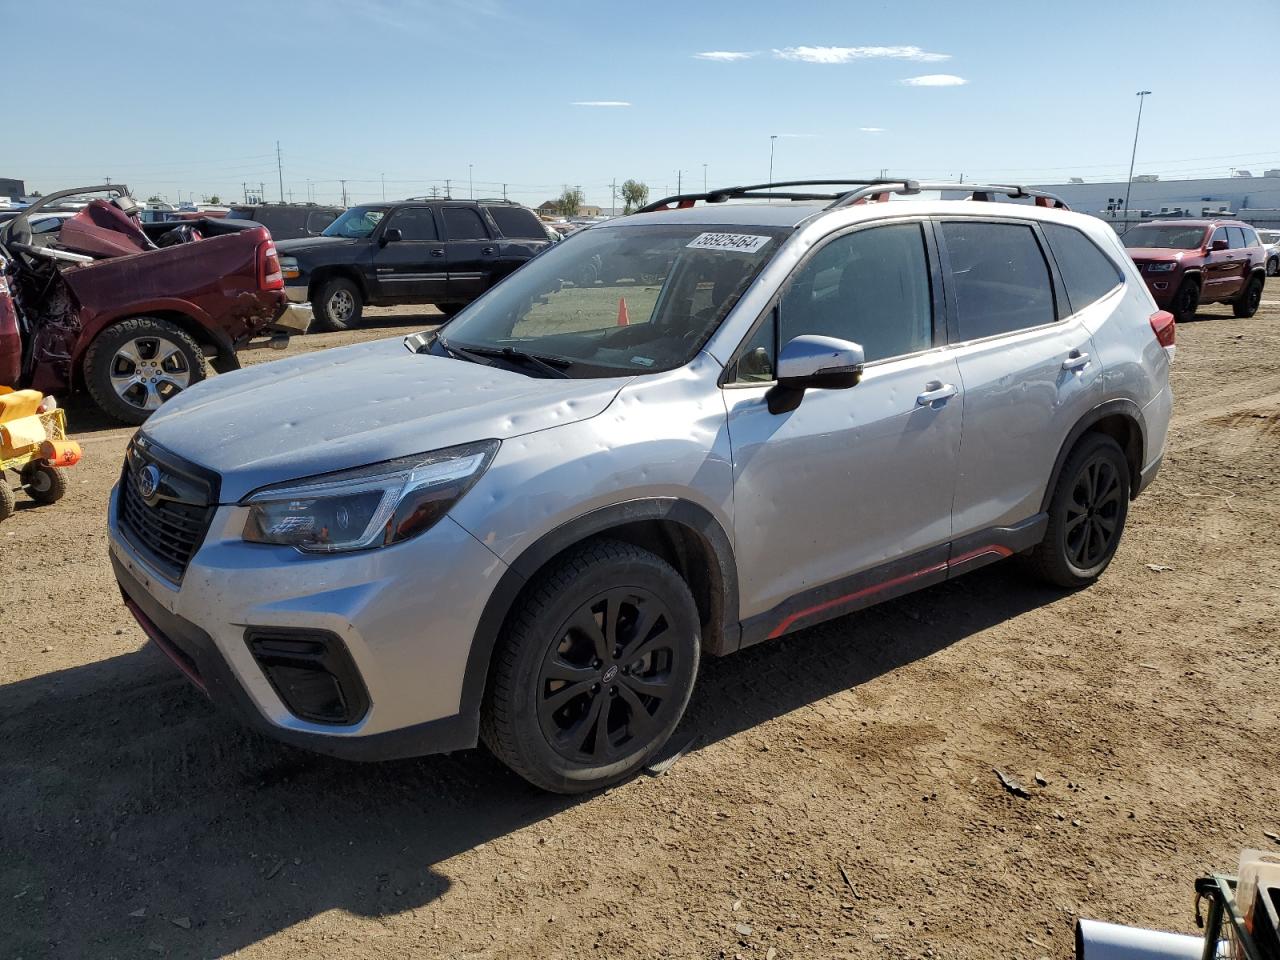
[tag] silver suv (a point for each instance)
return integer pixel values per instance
(671, 435)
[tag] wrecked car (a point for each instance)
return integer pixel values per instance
(131, 312)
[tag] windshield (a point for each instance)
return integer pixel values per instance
(356, 222)
(613, 301)
(1168, 236)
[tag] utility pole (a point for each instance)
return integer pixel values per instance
(471, 184)
(679, 182)
(280, 171)
(384, 186)
(244, 191)
(704, 178)
(448, 193)
(262, 192)
(613, 197)
(1142, 95)
(773, 140)
(344, 192)
(504, 191)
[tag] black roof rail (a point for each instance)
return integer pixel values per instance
(977, 191)
(863, 190)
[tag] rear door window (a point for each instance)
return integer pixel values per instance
(414, 223)
(1000, 278)
(1237, 238)
(464, 223)
(517, 223)
(1087, 272)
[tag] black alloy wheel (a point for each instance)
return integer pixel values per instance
(1093, 512)
(605, 680)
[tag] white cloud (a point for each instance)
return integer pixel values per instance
(849, 54)
(935, 80)
(872, 129)
(601, 103)
(724, 56)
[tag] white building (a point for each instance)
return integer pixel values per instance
(1256, 199)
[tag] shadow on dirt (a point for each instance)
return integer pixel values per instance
(122, 789)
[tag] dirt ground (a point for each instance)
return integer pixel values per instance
(839, 799)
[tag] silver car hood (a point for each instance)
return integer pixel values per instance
(353, 406)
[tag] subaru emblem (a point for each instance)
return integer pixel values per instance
(149, 481)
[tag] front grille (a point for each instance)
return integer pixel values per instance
(170, 528)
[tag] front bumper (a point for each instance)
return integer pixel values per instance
(406, 615)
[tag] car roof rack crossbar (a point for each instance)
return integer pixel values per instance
(865, 191)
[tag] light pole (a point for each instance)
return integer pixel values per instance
(704, 178)
(773, 140)
(471, 184)
(1142, 94)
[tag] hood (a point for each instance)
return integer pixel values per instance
(1159, 254)
(311, 244)
(348, 407)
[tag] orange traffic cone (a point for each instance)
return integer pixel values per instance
(623, 319)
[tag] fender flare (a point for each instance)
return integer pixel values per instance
(1121, 406)
(694, 518)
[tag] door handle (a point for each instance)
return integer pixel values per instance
(437, 252)
(487, 251)
(936, 392)
(1075, 361)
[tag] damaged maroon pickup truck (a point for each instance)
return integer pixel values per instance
(129, 311)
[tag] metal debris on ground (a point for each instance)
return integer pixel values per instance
(1011, 784)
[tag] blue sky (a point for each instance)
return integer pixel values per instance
(424, 90)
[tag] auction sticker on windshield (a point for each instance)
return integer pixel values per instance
(734, 242)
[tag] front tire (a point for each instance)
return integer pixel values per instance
(338, 306)
(44, 482)
(1273, 267)
(1186, 301)
(134, 366)
(595, 669)
(1250, 300)
(1086, 514)
(8, 502)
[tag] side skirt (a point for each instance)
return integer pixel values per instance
(894, 579)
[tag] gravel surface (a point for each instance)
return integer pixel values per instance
(840, 798)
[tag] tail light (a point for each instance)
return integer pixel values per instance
(269, 275)
(1164, 327)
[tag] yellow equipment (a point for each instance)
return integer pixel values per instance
(33, 444)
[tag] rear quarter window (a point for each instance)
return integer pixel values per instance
(517, 223)
(1087, 272)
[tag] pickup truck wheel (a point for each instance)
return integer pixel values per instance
(594, 670)
(1186, 301)
(44, 482)
(136, 365)
(1249, 301)
(338, 306)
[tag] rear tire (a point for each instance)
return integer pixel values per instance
(8, 502)
(133, 366)
(1249, 301)
(1186, 301)
(337, 306)
(44, 483)
(1086, 514)
(1273, 267)
(594, 670)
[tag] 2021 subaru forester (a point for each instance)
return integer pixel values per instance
(745, 418)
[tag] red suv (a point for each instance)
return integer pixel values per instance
(1189, 262)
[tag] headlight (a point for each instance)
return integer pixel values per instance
(289, 267)
(369, 506)
(1151, 267)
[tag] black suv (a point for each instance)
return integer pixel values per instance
(287, 221)
(444, 252)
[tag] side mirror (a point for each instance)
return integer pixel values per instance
(812, 362)
(392, 235)
(1217, 245)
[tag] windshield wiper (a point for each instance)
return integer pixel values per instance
(550, 366)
